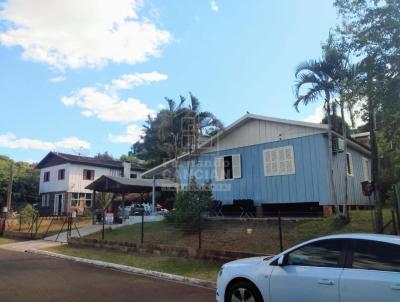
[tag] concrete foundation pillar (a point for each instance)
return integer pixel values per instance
(327, 211)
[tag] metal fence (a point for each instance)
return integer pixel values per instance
(34, 226)
(246, 234)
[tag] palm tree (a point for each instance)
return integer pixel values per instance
(317, 76)
(203, 123)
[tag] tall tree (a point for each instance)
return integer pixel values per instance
(174, 131)
(371, 29)
(316, 75)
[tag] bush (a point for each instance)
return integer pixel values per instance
(190, 203)
(28, 212)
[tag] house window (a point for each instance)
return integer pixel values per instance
(45, 200)
(279, 161)
(46, 176)
(349, 161)
(88, 174)
(79, 199)
(61, 174)
(228, 167)
(366, 170)
(133, 175)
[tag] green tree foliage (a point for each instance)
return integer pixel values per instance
(175, 130)
(105, 155)
(28, 213)
(25, 182)
(190, 203)
(370, 31)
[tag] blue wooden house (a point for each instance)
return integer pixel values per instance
(276, 162)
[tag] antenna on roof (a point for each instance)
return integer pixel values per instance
(79, 152)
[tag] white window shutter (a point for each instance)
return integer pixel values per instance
(289, 156)
(279, 161)
(366, 169)
(219, 168)
(350, 163)
(236, 166)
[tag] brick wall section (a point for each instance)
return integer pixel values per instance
(161, 250)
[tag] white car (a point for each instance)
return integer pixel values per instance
(345, 268)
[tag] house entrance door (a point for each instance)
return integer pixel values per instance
(58, 204)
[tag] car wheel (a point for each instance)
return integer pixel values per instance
(243, 291)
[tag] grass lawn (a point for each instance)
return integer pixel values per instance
(6, 240)
(179, 266)
(249, 236)
(50, 225)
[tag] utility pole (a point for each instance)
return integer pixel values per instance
(9, 189)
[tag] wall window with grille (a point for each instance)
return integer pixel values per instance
(81, 199)
(228, 167)
(61, 174)
(279, 161)
(45, 200)
(46, 176)
(88, 174)
(349, 165)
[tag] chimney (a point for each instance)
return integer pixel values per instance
(127, 169)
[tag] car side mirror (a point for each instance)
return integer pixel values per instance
(282, 260)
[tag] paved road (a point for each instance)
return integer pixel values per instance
(27, 277)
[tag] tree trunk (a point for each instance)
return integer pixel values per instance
(346, 180)
(375, 168)
(330, 156)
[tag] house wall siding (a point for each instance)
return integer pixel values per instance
(76, 182)
(308, 184)
(255, 132)
(54, 185)
(355, 196)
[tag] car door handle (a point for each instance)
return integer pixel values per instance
(395, 286)
(326, 282)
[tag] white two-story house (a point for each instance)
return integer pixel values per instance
(64, 177)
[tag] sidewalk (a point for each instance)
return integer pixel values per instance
(50, 241)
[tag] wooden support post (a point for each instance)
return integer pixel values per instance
(142, 230)
(104, 221)
(280, 231)
(200, 232)
(9, 188)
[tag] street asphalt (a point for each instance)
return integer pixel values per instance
(27, 277)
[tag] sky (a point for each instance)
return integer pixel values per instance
(82, 76)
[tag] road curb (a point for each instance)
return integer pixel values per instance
(129, 269)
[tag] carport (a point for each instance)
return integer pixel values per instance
(123, 185)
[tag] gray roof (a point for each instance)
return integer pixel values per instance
(118, 184)
(85, 160)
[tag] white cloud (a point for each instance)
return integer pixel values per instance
(316, 116)
(104, 102)
(76, 33)
(214, 6)
(131, 135)
(9, 140)
(319, 114)
(57, 79)
(128, 81)
(161, 106)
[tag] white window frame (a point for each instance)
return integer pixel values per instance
(349, 162)
(219, 165)
(279, 161)
(81, 197)
(45, 200)
(366, 169)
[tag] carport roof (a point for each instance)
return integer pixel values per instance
(116, 184)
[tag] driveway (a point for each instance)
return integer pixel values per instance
(27, 277)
